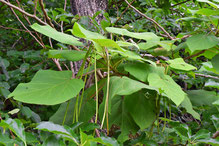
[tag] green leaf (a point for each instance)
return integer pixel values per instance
(168, 86)
(147, 45)
(201, 42)
(48, 87)
(142, 109)
(139, 70)
(215, 63)
(5, 140)
(202, 97)
(56, 129)
(87, 108)
(180, 64)
(202, 134)
(107, 43)
(207, 12)
(79, 31)
(210, 3)
(71, 55)
(58, 36)
(188, 106)
(215, 120)
(212, 83)
(16, 126)
(148, 36)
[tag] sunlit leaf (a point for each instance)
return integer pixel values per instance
(48, 87)
(58, 36)
(201, 42)
(71, 55)
(180, 64)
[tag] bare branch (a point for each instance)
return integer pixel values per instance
(152, 20)
(45, 13)
(22, 11)
(207, 76)
(26, 27)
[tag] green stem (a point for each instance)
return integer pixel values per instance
(66, 111)
(107, 93)
(95, 68)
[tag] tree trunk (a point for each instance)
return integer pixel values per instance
(88, 7)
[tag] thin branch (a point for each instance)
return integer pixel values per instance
(124, 11)
(180, 3)
(22, 11)
(207, 76)
(45, 13)
(152, 20)
(64, 10)
(10, 28)
(26, 27)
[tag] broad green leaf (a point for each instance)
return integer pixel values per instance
(182, 130)
(48, 87)
(79, 31)
(188, 106)
(139, 70)
(129, 55)
(215, 120)
(202, 134)
(87, 109)
(180, 64)
(202, 97)
(147, 45)
(142, 108)
(126, 44)
(16, 126)
(208, 67)
(71, 55)
(216, 102)
(118, 110)
(215, 62)
(56, 129)
(212, 83)
(126, 86)
(207, 12)
(167, 45)
(107, 43)
(86, 113)
(120, 116)
(211, 141)
(168, 86)
(53, 128)
(58, 36)
(148, 36)
(201, 42)
(210, 3)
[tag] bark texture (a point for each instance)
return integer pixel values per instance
(88, 7)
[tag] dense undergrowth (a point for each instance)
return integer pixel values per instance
(148, 74)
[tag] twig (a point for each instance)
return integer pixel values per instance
(28, 21)
(24, 12)
(207, 76)
(124, 11)
(72, 69)
(48, 20)
(152, 20)
(196, 54)
(26, 27)
(10, 28)
(64, 10)
(180, 3)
